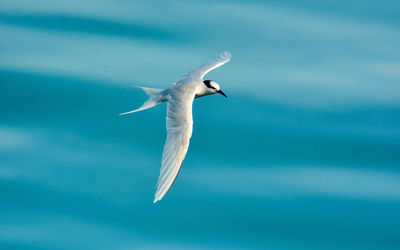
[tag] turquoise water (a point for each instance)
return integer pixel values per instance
(304, 154)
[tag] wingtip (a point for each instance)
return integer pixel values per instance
(158, 197)
(225, 55)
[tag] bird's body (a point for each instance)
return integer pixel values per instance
(179, 120)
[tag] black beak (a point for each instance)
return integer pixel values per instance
(222, 93)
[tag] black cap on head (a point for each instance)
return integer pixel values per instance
(208, 84)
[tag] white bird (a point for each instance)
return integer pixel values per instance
(179, 117)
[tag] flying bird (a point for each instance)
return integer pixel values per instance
(179, 117)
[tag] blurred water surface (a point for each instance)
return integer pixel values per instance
(304, 154)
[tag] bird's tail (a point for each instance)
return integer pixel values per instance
(155, 97)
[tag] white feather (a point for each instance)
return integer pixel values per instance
(201, 71)
(180, 123)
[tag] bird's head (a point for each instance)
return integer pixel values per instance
(213, 87)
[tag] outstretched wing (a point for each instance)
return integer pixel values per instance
(200, 72)
(179, 129)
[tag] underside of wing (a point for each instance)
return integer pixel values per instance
(179, 129)
(205, 68)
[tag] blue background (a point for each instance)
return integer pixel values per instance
(304, 154)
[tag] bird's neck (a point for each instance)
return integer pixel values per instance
(203, 92)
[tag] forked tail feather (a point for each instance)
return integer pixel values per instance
(155, 97)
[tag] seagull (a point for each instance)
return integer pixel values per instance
(179, 117)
